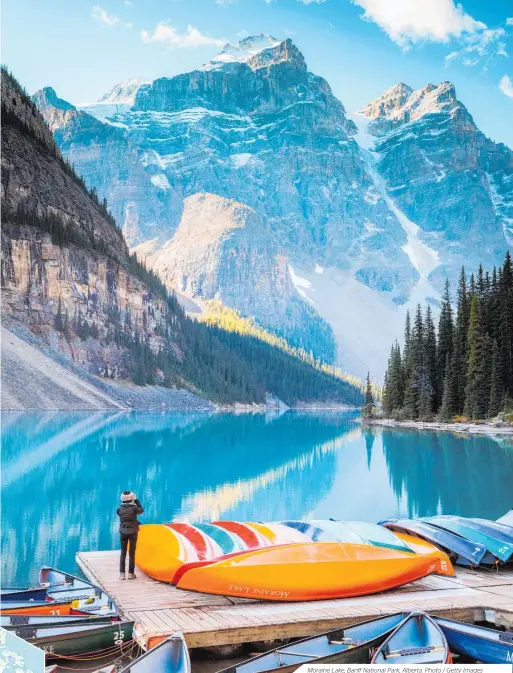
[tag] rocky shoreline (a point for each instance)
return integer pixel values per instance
(492, 428)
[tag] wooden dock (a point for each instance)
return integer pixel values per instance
(160, 609)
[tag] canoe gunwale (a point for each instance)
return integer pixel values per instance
(335, 657)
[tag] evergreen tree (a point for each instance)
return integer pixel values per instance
(476, 343)
(474, 339)
(430, 349)
(460, 345)
(447, 407)
(368, 408)
(496, 389)
(445, 340)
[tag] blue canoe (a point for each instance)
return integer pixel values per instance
(502, 550)
(488, 527)
(460, 550)
(170, 656)
(378, 536)
(417, 640)
(506, 518)
(315, 533)
(486, 645)
(493, 525)
(17, 595)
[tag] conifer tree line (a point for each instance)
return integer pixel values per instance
(463, 366)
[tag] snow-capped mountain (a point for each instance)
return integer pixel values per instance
(124, 92)
(366, 213)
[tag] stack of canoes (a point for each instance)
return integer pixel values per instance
(287, 561)
(469, 542)
(299, 560)
(65, 616)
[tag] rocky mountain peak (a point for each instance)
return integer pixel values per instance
(124, 92)
(258, 51)
(401, 105)
(47, 97)
(390, 101)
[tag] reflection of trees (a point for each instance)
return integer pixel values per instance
(468, 476)
(68, 503)
(369, 435)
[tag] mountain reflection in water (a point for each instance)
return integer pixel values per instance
(63, 473)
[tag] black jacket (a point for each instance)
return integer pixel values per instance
(127, 513)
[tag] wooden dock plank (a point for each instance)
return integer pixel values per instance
(160, 609)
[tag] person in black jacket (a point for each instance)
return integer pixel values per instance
(128, 529)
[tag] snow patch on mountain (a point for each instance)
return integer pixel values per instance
(242, 51)
(422, 257)
(124, 92)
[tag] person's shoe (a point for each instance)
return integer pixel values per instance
(121, 576)
(132, 576)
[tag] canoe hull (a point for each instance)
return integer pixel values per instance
(312, 571)
(351, 645)
(75, 640)
(417, 640)
(477, 642)
(169, 656)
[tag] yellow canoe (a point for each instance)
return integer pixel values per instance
(423, 547)
(309, 571)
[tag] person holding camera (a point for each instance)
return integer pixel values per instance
(128, 529)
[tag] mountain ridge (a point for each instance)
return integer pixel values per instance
(272, 136)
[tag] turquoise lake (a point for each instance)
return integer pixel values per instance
(62, 474)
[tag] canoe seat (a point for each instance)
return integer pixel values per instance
(296, 654)
(346, 641)
(408, 651)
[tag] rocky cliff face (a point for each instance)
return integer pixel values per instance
(91, 283)
(222, 250)
(372, 210)
(447, 176)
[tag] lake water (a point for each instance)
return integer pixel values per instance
(63, 473)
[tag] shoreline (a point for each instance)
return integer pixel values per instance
(437, 426)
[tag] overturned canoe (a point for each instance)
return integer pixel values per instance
(423, 547)
(460, 550)
(310, 571)
(417, 640)
(485, 645)
(351, 645)
(502, 550)
(368, 533)
(506, 518)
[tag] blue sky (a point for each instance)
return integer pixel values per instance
(83, 47)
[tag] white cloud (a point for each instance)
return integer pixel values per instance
(506, 86)
(224, 3)
(309, 2)
(165, 33)
(410, 21)
(509, 22)
(483, 44)
(106, 19)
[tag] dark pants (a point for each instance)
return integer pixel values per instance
(125, 539)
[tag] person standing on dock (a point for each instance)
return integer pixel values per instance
(128, 529)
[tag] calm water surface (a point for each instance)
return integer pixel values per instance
(63, 473)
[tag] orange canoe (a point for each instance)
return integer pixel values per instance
(48, 608)
(423, 547)
(310, 571)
